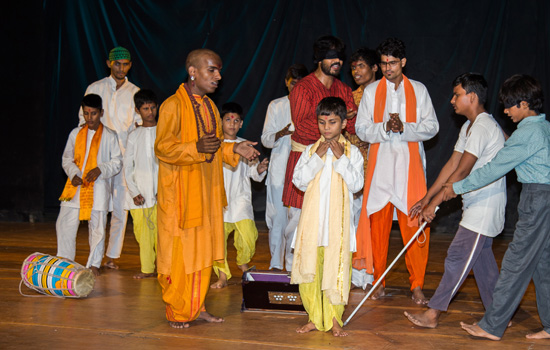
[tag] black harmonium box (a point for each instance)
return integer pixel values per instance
(270, 292)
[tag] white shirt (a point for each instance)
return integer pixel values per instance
(351, 170)
(278, 116)
(483, 209)
(141, 167)
(118, 106)
(390, 178)
(109, 161)
(238, 190)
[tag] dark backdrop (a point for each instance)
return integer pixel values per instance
(57, 48)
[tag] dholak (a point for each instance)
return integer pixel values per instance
(56, 276)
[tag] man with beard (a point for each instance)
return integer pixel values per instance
(304, 98)
(395, 116)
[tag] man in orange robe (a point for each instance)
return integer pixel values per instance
(191, 195)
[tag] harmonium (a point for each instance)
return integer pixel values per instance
(268, 291)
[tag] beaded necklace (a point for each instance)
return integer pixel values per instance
(199, 120)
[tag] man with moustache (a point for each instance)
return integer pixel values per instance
(191, 194)
(329, 56)
(395, 116)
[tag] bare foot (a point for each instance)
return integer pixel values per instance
(508, 326)
(308, 327)
(539, 335)
(426, 319)
(477, 331)
(243, 267)
(418, 297)
(110, 264)
(378, 293)
(95, 270)
(221, 282)
(209, 318)
(178, 325)
(141, 275)
(337, 331)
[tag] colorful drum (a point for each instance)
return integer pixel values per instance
(56, 276)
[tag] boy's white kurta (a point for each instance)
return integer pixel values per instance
(109, 161)
(351, 170)
(390, 178)
(276, 216)
(238, 190)
(141, 167)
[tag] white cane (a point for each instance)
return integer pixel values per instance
(388, 270)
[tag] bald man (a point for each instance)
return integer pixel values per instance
(191, 195)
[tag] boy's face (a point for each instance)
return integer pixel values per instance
(231, 123)
(119, 68)
(290, 83)
(91, 116)
(148, 112)
(363, 73)
(516, 113)
(207, 75)
(461, 100)
(330, 126)
(392, 67)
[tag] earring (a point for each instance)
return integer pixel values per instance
(192, 78)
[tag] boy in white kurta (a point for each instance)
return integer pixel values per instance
(141, 175)
(329, 172)
(90, 159)
(238, 215)
(276, 135)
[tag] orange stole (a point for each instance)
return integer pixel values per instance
(87, 188)
(416, 187)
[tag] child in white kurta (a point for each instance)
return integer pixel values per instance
(108, 161)
(141, 175)
(238, 215)
(325, 237)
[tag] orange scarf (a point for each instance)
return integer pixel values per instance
(87, 188)
(416, 187)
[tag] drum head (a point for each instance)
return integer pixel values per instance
(84, 282)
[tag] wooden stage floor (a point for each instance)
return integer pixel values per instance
(125, 313)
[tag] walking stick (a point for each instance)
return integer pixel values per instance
(387, 270)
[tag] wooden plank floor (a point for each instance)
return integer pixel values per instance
(125, 313)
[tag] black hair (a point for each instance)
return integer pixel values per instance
(296, 71)
(144, 96)
(368, 55)
(473, 82)
(93, 101)
(392, 47)
(332, 105)
(326, 43)
(519, 88)
(232, 107)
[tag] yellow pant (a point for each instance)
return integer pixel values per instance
(318, 307)
(244, 239)
(145, 230)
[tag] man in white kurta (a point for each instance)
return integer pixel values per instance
(117, 94)
(109, 161)
(397, 138)
(276, 135)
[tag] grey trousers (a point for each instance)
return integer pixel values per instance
(527, 257)
(468, 250)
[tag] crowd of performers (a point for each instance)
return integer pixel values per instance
(344, 165)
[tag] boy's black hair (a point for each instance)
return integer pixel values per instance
(296, 71)
(392, 47)
(332, 105)
(473, 82)
(327, 43)
(93, 101)
(519, 88)
(232, 107)
(144, 96)
(368, 55)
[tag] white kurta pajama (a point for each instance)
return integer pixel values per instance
(120, 116)
(238, 216)
(141, 174)
(276, 218)
(109, 161)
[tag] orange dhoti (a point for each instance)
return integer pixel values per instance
(416, 256)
